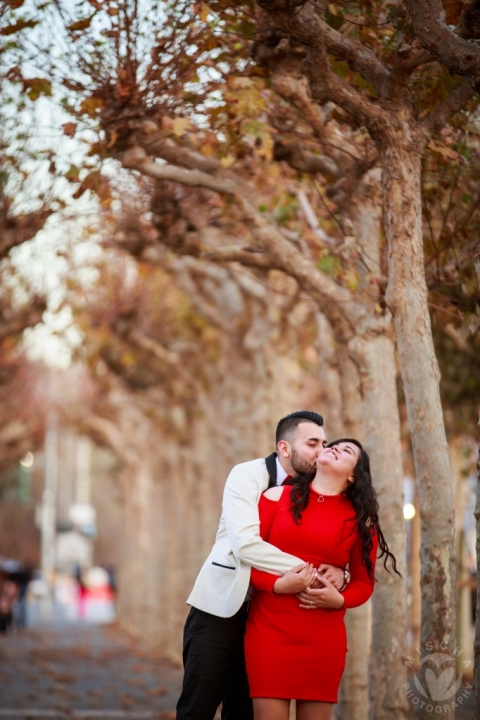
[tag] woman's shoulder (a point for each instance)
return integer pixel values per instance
(274, 493)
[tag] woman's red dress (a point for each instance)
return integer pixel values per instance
(291, 652)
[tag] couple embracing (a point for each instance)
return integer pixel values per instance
(266, 623)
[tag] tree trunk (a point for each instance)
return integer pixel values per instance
(388, 676)
(476, 667)
(415, 574)
(373, 355)
(408, 300)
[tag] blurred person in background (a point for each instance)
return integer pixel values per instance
(8, 596)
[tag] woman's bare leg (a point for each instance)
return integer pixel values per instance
(310, 710)
(271, 709)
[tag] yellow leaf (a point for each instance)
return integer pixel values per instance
(227, 161)
(265, 149)
(180, 125)
(351, 279)
(202, 10)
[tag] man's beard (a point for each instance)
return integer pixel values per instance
(300, 465)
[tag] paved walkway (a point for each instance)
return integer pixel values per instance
(95, 672)
(84, 671)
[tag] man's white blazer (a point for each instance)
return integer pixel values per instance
(222, 584)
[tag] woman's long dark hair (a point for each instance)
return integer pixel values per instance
(363, 497)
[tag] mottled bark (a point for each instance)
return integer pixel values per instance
(374, 355)
(476, 669)
(353, 700)
(407, 298)
(389, 608)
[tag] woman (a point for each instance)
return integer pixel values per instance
(292, 653)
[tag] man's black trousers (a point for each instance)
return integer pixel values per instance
(214, 664)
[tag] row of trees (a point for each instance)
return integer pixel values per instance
(271, 153)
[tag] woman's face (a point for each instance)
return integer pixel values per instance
(341, 459)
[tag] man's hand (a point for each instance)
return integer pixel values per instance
(335, 575)
(296, 580)
(322, 597)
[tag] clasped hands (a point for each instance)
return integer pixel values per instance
(314, 587)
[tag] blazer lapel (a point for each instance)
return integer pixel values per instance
(271, 463)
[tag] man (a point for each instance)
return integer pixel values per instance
(213, 635)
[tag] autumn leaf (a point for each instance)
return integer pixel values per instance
(81, 24)
(90, 105)
(227, 161)
(179, 126)
(72, 173)
(202, 10)
(18, 26)
(69, 129)
(35, 87)
(444, 151)
(112, 139)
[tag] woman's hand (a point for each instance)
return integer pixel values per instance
(336, 575)
(296, 580)
(322, 597)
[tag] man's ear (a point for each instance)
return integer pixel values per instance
(283, 448)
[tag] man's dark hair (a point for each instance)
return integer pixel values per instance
(288, 424)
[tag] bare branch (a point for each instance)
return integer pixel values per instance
(153, 347)
(460, 56)
(312, 219)
(476, 261)
(361, 59)
(457, 99)
(325, 85)
(460, 343)
(294, 89)
(151, 139)
(137, 159)
(412, 62)
(305, 162)
(243, 255)
(309, 28)
(336, 301)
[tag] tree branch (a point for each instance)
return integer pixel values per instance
(152, 346)
(308, 27)
(457, 99)
(359, 58)
(137, 159)
(336, 302)
(325, 85)
(298, 159)
(458, 55)
(151, 138)
(460, 343)
(476, 262)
